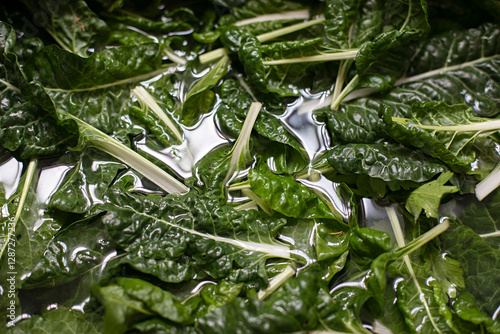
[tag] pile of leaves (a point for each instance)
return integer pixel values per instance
(233, 166)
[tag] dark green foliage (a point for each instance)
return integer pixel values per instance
(131, 190)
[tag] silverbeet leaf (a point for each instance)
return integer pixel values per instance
(175, 237)
(455, 148)
(388, 162)
(65, 259)
(408, 20)
(59, 321)
(199, 99)
(455, 73)
(24, 126)
(287, 196)
(70, 23)
(85, 184)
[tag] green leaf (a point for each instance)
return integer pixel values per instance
(423, 131)
(289, 197)
(199, 98)
(352, 23)
(384, 161)
(85, 184)
(73, 25)
(58, 321)
(160, 301)
(428, 196)
(355, 123)
(465, 307)
(291, 308)
(65, 259)
(27, 228)
(287, 153)
(120, 310)
(178, 235)
(455, 73)
(24, 127)
(479, 261)
(408, 20)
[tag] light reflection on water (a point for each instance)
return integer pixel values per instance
(10, 174)
(199, 141)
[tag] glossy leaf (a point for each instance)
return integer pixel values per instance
(287, 196)
(384, 161)
(59, 321)
(73, 25)
(199, 98)
(428, 196)
(178, 235)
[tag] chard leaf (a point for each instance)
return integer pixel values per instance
(199, 98)
(465, 307)
(384, 161)
(455, 73)
(92, 137)
(24, 127)
(27, 129)
(428, 197)
(235, 101)
(290, 309)
(479, 216)
(454, 126)
(475, 245)
(105, 69)
(409, 20)
(287, 154)
(422, 299)
(105, 87)
(177, 235)
(85, 184)
(267, 74)
(423, 132)
(355, 123)
(159, 122)
(65, 259)
(58, 321)
(27, 228)
(69, 103)
(122, 21)
(255, 8)
(257, 17)
(120, 310)
(137, 304)
(479, 262)
(289, 197)
(73, 25)
(351, 23)
(154, 298)
(240, 153)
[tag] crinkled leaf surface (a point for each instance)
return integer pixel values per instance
(288, 196)
(72, 24)
(175, 237)
(388, 162)
(59, 321)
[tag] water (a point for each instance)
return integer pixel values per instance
(10, 175)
